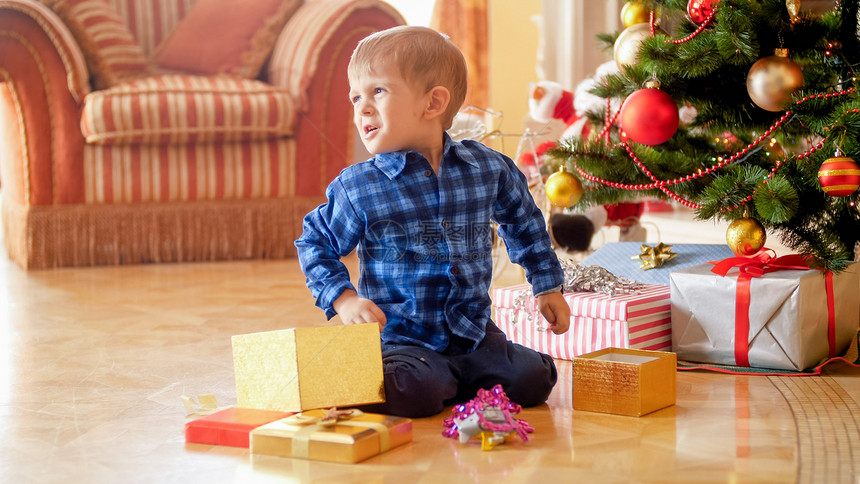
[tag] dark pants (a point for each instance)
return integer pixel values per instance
(421, 382)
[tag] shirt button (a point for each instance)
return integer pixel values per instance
(455, 270)
(428, 173)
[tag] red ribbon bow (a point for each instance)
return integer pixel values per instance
(757, 266)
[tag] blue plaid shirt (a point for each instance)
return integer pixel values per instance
(424, 241)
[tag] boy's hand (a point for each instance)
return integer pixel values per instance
(556, 311)
(356, 310)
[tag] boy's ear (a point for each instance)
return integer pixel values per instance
(439, 98)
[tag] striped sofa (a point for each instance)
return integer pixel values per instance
(168, 166)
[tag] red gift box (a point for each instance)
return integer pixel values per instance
(597, 321)
(230, 426)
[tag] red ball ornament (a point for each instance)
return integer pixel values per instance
(839, 176)
(649, 116)
(700, 10)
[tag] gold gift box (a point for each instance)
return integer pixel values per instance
(348, 441)
(624, 381)
(291, 370)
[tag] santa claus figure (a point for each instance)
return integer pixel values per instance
(549, 101)
(573, 231)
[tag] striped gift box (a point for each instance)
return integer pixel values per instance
(597, 321)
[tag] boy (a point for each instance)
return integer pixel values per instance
(420, 212)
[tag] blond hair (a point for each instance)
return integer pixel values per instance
(425, 57)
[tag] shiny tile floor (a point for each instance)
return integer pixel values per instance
(93, 363)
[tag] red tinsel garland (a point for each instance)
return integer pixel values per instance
(663, 184)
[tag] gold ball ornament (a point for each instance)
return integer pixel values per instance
(634, 13)
(563, 189)
(626, 49)
(746, 236)
(772, 80)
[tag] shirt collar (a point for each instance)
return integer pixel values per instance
(393, 163)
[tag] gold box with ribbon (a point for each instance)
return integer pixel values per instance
(347, 436)
(297, 369)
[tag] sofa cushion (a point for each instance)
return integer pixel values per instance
(225, 37)
(187, 109)
(111, 51)
(178, 173)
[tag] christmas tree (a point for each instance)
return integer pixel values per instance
(770, 123)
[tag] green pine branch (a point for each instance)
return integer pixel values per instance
(708, 74)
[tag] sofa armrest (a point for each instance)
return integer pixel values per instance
(61, 39)
(310, 60)
(43, 79)
(320, 26)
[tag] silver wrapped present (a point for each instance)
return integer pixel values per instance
(788, 314)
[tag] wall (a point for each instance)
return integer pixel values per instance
(513, 59)
(515, 40)
(571, 51)
(565, 46)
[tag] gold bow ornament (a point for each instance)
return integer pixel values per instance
(654, 257)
